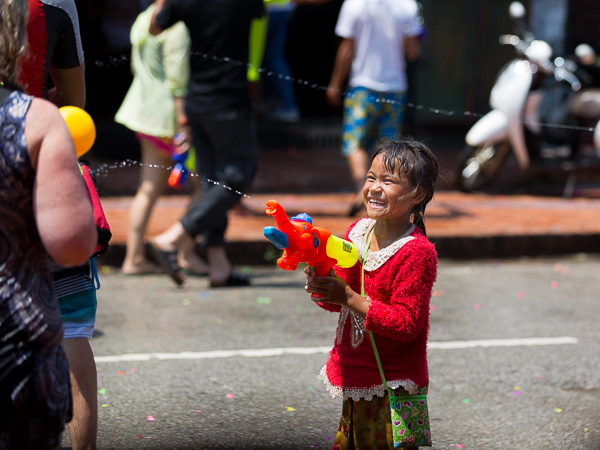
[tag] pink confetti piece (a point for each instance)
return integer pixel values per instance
(229, 395)
(432, 308)
(554, 284)
(520, 294)
(459, 446)
(132, 370)
(476, 306)
(560, 268)
(151, 418)
(517, 392)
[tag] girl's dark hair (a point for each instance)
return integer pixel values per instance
(412, 158)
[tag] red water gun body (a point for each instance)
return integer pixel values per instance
(303, 242)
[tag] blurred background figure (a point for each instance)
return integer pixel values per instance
(223, 127)
(378, 36)
(45, 211)
(279, 93)
(154, 109)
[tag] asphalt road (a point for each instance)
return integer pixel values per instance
(514, 360)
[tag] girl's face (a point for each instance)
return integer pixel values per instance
(388, 196)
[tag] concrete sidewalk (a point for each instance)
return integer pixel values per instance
(461, 225)
(301, 167)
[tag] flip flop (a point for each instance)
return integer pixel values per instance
(233, 280)
(168, 261)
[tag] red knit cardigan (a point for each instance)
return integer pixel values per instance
(400, 292)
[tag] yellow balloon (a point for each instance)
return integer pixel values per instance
(81, 126)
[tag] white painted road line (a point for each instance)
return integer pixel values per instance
(450, 345)
(264, 352)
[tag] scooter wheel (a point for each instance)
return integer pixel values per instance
(477, 167)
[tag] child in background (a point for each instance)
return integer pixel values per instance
(154, 109)
(400, 268)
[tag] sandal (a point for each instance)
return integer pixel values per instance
(168, 261)
(234, 279)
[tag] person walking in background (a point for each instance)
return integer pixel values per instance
(45, 211)
(54, 50)
(378, 36)
(154, 109)
(279, 87)
(223, 127)
(387, 293)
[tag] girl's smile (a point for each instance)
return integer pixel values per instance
(388, 196)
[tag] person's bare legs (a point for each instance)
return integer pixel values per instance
(220, 267)
(175, 237)
(187, 256)
(83, 428)
(153, 182)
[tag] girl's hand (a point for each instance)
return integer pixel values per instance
(335, 290)
(331, 287)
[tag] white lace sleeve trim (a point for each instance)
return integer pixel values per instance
(359, 234)
(366, 393)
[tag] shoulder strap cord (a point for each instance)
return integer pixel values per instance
(362, 287)
(94, 270)
(362, 292)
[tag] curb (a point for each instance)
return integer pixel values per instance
(451, 247)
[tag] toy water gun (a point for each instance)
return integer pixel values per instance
(180, 172)
(303, 242)
(180, 157)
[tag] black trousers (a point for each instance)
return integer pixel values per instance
(226, 159)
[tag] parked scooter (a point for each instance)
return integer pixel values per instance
(520, 99)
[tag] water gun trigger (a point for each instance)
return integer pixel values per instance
(278, 238)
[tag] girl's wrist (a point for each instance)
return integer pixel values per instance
(357, 302)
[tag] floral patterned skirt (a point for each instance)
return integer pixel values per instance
(367, 424)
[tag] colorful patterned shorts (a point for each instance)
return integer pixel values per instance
(369, 116)
(368, 424)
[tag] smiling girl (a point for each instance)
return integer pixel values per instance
(399, 266)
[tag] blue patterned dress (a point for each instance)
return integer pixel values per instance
(35, 395)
